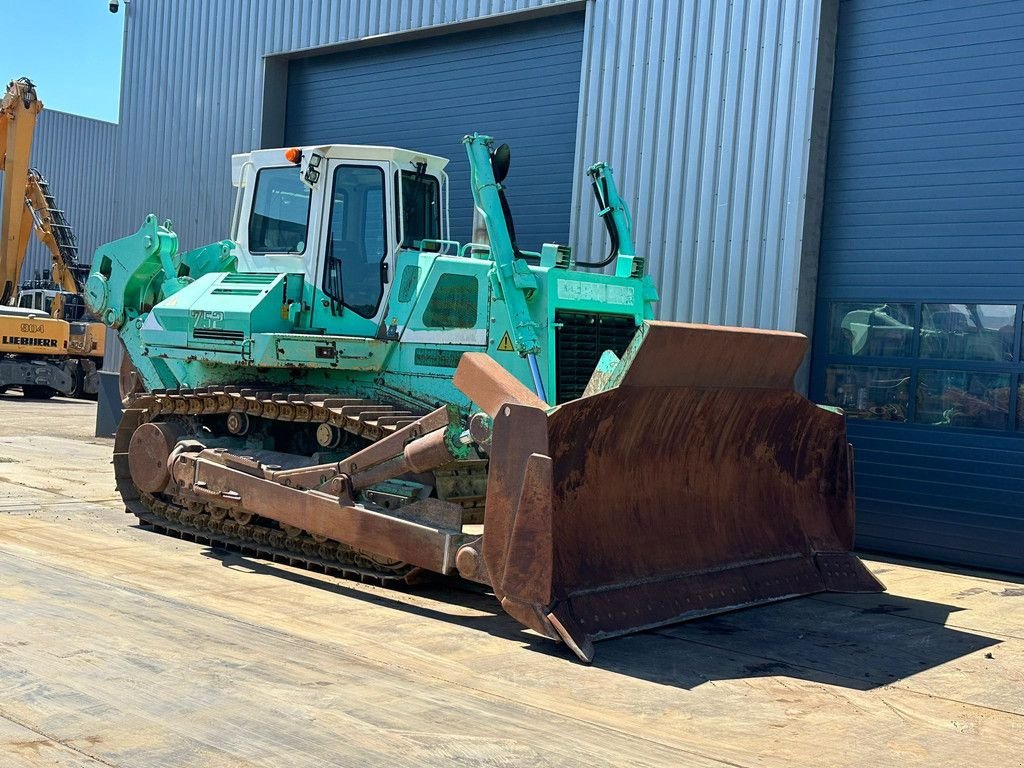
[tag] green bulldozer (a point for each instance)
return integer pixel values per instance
(343, 386)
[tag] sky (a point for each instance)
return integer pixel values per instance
(71, 50)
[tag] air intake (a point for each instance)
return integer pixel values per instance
(218, 334)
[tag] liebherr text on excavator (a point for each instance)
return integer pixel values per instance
(342, 384)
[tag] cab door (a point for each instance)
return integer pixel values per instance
(353, 277)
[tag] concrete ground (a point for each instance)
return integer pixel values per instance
(119, 647)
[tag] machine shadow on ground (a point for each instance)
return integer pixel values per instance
(852, 641)
(57, 400)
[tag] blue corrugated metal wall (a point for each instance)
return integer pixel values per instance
(925, 202)
(519, 83)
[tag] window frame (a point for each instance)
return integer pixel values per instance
(252, 213)
(824, 358)
(384, 235)
(400, 208)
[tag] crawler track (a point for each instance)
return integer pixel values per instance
(193, 519)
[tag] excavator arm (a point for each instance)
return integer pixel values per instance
(55, 233)
(29, 206)
(19, 109)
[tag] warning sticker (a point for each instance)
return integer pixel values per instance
(505, 345)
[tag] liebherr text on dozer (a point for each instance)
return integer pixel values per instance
(343, 385)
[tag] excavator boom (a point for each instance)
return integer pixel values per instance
(71, 353)
(19, 109)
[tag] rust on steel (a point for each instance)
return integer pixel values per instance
(711, 356)
(387, 456)
(490, 386)
(213, 518)
(705, 484)
(151, 444)
(317, 513)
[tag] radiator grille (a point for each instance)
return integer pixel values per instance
(580, 340)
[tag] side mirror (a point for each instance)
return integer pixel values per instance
(501, 158)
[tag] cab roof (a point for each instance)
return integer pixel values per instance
(262, 158)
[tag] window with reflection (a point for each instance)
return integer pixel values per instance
(904, 375)
(356, 239)
(869, 392)
(963, 399)
(280, 212)
(871, 329)
(968, 331)
(421, 208)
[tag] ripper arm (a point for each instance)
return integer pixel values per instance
(131, 275)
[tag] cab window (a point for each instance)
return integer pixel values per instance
(421, 208)
(354, 270)
(280, 212)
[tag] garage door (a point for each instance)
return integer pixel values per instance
(519, 83)
(918, 332)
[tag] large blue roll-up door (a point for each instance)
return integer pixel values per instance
(921, 283)
(519, 83)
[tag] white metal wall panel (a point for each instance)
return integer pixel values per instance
(703, 107)
(704, 110)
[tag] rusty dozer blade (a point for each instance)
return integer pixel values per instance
(692, 480)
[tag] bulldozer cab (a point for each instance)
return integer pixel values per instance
(340, 215)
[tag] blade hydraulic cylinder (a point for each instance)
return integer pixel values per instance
(511, 273)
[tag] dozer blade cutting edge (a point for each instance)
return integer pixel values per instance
(691, 480)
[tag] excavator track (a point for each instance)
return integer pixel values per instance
(195, 520)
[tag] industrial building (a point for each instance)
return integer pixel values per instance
(851, 170)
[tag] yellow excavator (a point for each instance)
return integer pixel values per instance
(48, 345)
